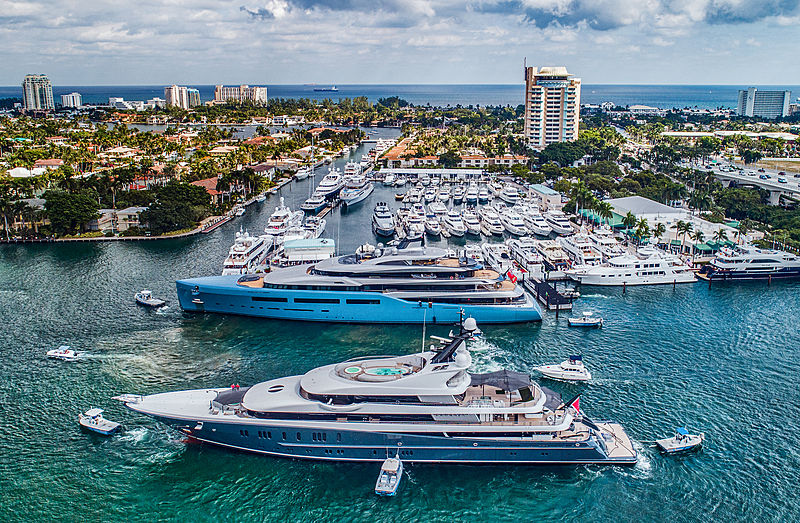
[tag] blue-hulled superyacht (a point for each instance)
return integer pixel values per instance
(403, 284)
(426, 407)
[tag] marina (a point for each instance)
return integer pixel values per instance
(147, 352)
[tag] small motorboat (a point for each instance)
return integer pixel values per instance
(399, 196)
(93, 420)
(389, 477)
(568, 370)
(64, 352)
(682, 441)
(587, 320)
(240, 211)
(146, 298)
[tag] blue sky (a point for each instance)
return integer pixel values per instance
(399, 41)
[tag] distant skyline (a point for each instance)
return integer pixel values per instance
(285, 42)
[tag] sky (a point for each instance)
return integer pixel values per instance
(147, 42)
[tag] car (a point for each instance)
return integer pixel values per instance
(763, 176)
(762, 170)
(782, 173)
(781, 180)
(797, 175)
(751, 173)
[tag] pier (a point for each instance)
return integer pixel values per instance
(547, 295)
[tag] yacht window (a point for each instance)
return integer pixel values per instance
(316, 300)
(269, 298)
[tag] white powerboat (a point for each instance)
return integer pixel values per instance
(432, 226)
(483, 195)
(471, 196)
(588, 319)
(302, 173)
(314, 226)
(438, 209)
(352, 169)
(490, 222)
(537, 225)
(430, 194)
(240, 211)
(331, 184)
(458, 194)
(454, 224)
(513, 222)
(356, 190)
(580, 249)
(559, 222)
(443, 195)
(281, 220)
(315, 203)
(568, 370)
(93, 420)
(401, 181)
(383, 220)
(682, 441)
(472, 223)
(389, 477)
(389, 180)
(246, 253)
(647, 267)
(64, 352)
(146, 298)
(509, 194)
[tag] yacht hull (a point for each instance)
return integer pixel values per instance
(711, 274)
(221, 294)
(327, 442)
(350, 199)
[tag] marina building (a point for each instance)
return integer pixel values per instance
(764, 104)
(242, 93)
(71, 100)
(37, 93)
(552, 106)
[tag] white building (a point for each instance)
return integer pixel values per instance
(242, 93)
(764, 104)
(37, 93)
(552, 106)
(71, 100)
(645, 110)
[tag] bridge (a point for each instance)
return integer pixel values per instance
(777, 190)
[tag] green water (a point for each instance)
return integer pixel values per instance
(721, 360)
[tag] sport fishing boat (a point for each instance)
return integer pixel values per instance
(93, 420)
(747, 262)
(647, 267)
(425, 406)
(356, 190)
(682, 441)
(64, 352)
(246, 254)
(408, 283)
(383, 220)
(559, 222)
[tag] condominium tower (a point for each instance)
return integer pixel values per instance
(37, 93)
(71, 100)
(183, 97)
(764, 104)
(242, 93)
(552, 106)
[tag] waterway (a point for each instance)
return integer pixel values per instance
(718, 359)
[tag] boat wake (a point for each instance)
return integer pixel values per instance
(136, 435)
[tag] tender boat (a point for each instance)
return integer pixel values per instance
(93, 420)
(389, 477)
(568, 370)
(587, 320)
(145, 298)
(64, 352)
(682, 441)
(240, 211)
(427, 406)
(399, 196)
(383, 220)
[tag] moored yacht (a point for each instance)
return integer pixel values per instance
(247, 253)
(603, 241)
(536, 224)
(389, 180)
(454, 224)
(426, 406)
(302, 173)
(331, 184)
(387, 285)
(281, 220)
(356, 190)
(315, 203)
(471, 196)
(509, 194)
(580, 250)
(490, 222)
(555, 259)
(513, 222)
(747, 262)
(383, 220)
(483, 195)
(472, 223)
(559, 222)
(647, 267)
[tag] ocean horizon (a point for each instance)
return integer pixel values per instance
(664, 96)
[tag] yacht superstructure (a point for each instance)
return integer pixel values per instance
(647, 267)
(426, 406)
(246, 254)
(747, 262)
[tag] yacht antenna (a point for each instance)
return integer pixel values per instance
(424, 322)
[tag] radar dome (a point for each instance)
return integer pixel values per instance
(463, 359)
(470, 324)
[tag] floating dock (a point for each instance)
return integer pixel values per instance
(548, 295)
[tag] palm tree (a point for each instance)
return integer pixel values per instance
(720, 235)
(642, 230)
(697, 238)
(683, 228)
(579, 194)
(629, 221)
(605, 211)
(659, 230)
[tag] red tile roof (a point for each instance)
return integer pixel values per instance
(209, 184)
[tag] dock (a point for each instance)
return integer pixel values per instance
(547, 295)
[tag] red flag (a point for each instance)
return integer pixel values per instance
(511, 276)
(576, 404)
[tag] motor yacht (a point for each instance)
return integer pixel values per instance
(389, 180)
(472, 223)
(568, 370)
(382, 220)
(246, 254)
(747, 262)
(331, 184)
(454, 224)
(352, 169)
(438, 208)
(483, 195)
(646, 267)
(397, 284)
(471, 196)
(430, 195)
(490, 222)
(559, 222)
(314, 227)
(498, 257)
(513, 222)
(432, 225)
(302, 173)
(426, 406)
(524, 251)
(536, 224)
(414, 226)
(580, 249)
(401, 181)
(458, 194)
(603, 241)
(444, 194)
(509, 194)
(315, 203)
(356, 190)
(555, 259)
(281, 220)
